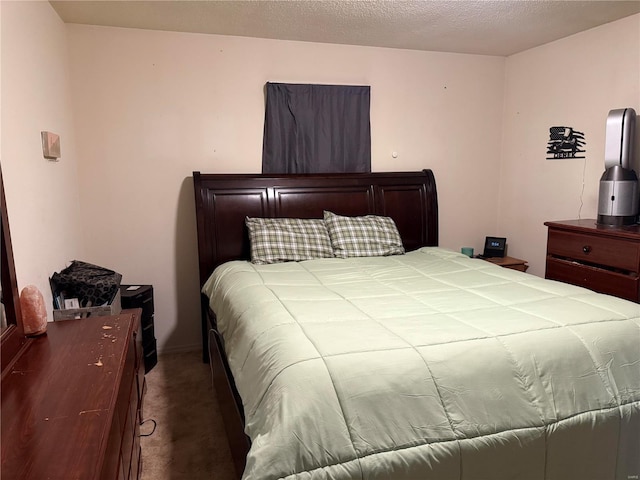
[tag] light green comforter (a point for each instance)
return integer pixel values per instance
(429, 365)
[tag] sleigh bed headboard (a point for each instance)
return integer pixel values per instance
(224, 200)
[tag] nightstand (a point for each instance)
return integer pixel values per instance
(602, 258)
(509, 262)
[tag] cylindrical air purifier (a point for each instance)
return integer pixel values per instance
(619, 196)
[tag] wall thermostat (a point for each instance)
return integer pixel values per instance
(494, 246)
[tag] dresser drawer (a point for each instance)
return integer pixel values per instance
(608, 252)
(597, 279)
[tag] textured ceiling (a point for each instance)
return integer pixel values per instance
(479, 27)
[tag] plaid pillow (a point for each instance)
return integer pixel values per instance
(275, 240)
(368, 236)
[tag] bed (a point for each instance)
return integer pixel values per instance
(423, 365)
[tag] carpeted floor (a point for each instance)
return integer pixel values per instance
(189, 442)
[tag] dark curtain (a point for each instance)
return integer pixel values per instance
(316, 129)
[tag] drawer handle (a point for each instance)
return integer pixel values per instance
(586, 249)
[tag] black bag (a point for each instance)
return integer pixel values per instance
(90, 284)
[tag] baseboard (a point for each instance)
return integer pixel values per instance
(179, 349)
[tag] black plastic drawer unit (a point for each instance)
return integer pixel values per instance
(141, 296)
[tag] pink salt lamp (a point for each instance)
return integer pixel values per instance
(34, 313)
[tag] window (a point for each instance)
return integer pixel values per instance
(316, 129)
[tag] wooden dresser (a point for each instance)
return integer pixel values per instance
(71, 403)
(601, 258)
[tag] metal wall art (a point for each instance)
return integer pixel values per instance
(565, 142)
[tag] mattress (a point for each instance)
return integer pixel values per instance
(429, 365)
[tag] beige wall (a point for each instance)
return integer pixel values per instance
(151, 107)
(148, 108)
(42, 196)
(572, 82)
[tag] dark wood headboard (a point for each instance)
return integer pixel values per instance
(224, 200)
